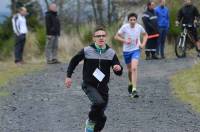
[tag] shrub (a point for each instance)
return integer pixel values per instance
(6, 48)
(85, 32)
(41, 38)
(174, 31)
(6, 39)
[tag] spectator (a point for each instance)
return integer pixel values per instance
(162, 13)
(20, 30)
(189, 15)
(53, 32)
(150, 23)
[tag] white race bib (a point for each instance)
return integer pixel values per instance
(98, 75)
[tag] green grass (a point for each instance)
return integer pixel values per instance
(9, 71)
(185, 86)
(4, 93)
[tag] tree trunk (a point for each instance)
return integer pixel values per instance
(109, 11)
(47, 4)
(114, 14)
(94, 10)
(13, 6)
(60, 8)
(100, 12)
(78, 16)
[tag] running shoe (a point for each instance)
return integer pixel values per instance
(134, 94)
(89, 126)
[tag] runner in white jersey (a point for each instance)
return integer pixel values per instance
(130, 34)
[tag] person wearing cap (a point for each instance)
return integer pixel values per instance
(20, 29)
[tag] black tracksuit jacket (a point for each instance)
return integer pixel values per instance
(150, 22)
(52, 23)
(94, 59)
(187, 14)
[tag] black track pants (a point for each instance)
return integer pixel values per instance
(99, 102)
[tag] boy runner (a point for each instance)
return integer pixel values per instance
(129, 34)
(98, 58)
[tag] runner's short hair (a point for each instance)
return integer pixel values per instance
(99, 28)
(132, 15)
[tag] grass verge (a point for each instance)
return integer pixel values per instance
(185, 86)
(9, 71)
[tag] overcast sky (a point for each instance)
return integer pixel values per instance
(4, 6)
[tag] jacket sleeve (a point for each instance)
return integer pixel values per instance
(196, 13)
(147, 23)
(74, 62)
(180, 15)
(48, 23)
(168, 19)
(15, 25)
(145, 20)
(115, 61)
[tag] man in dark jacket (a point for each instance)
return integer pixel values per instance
(53, 32)
(151, 26)
(189, 15)
(98, 59)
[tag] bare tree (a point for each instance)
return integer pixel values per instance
(60, 5)
(94, 10)
(13, 6)
(114, 14)
(100, 11)
(47, 3)
(109, 11)
(78, 16)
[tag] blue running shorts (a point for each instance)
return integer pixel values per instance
(128, 56)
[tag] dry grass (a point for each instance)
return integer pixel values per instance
(31, 52)
(69, 45)
(186, 86)
(8, 70)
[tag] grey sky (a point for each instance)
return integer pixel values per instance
(4, 5)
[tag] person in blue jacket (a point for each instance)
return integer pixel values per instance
(162, 13)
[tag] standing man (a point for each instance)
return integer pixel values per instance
(129, 34)
(162, 13)
(98, 59)
(151, 26)
(53, 32)
(20, 30)
(189, 15)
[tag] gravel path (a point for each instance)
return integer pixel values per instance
(40, 103)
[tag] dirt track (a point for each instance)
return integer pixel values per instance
(40, 103)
